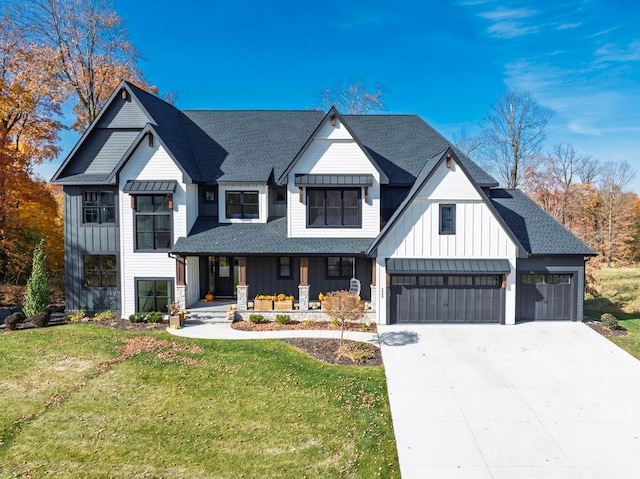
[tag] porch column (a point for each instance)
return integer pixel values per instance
(181, 284)
(243, 288)
(303, 288)
(374, 289)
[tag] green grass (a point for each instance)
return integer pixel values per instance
(233, 409)
(619, 294)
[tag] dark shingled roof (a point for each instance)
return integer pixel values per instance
(210, 236)
(538, 232)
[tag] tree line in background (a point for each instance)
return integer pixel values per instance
(54, 54)
(588, 196)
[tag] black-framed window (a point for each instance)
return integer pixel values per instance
(545, 278)
(285, 267)
(153, 222)
(340, 266)
(209, 194)
(98, 207)
(242, 204)
(100, 270)
(447, 219)
(334, 207)
(280, 195)
(153, 294)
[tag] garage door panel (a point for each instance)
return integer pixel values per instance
(434, 300)
(542, 296)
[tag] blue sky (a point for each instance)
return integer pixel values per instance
(445, 61)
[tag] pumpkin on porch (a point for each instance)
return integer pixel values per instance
(208, 297)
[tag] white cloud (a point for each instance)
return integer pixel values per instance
(568, 26)
(508, 14)
(614, 53)
(511, 29)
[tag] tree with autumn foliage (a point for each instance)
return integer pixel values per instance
(344, 306)
(90, 50)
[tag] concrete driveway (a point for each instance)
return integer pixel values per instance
(536, 400)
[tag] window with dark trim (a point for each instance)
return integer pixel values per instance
(284, 267)
(209, 194)
(98, 207)
(153, 222)
(242, 204)
(100, 270)
(447, 219)
(280, 195)
(153, 294)
(334, 207)
(545, 278)
(340, 266)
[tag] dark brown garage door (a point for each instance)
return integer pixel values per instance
(446, 299)
(546, 296)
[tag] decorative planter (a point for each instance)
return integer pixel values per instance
(176, 321)
(262, 305)
(286, 305)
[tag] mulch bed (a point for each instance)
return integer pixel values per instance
(306, 325)
(328, 350)
(602, 329)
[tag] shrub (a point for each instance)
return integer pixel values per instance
(256, 318)
(77, 316)
(11, 322)
(335, 322)
(137, 317)
(41, 319)
(104, 315)
(609, 320)
(36, 298)
(283, 318)
(155, 317)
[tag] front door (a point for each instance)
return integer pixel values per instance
(226, 276)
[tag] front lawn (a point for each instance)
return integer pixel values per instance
(619, 294)
(73, 405)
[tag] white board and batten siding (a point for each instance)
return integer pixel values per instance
(478, 233)
(333, 151)
(263, 199)
(150, 163)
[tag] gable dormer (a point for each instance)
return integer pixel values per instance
(333, 185)
(106, 141)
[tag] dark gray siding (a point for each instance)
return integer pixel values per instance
(102, 151)
(80, 240)
(123, 114)
(550, 302)
(207, 208)
(320, 283)
(262, 277)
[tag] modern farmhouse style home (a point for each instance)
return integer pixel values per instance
(163, 204)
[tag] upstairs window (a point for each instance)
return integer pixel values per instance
(242, 204)
(98, 207)
(447, 219)
(333, 207)
(153, 222)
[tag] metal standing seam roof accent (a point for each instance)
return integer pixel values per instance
(150, 187)
(451, 266)
(333, 180)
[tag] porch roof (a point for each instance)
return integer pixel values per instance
(210, 237)
(452, 266)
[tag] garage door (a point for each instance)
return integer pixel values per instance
(446, 298)
(546, 296)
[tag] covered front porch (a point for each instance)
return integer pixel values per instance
(243, 278)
